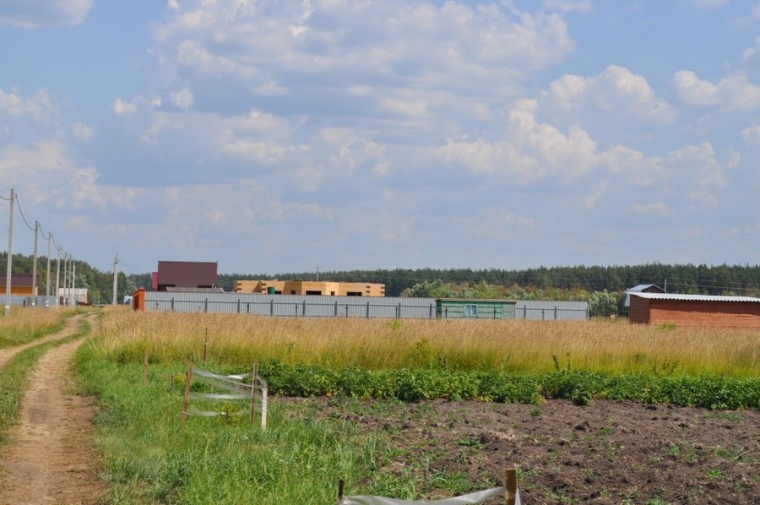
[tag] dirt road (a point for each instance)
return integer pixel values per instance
(50, 457)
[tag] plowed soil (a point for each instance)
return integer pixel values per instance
(604, 453)
(50, 456)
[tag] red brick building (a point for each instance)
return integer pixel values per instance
(184, 275)
(695, 310)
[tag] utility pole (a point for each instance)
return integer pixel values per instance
(65, 279)
(73, 280)
(58, 278)
(34, 264)
(115, 277)
(47, 281)
(10, 258)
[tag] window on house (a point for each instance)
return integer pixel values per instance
(471, 310)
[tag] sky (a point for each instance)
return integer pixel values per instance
(276, 136)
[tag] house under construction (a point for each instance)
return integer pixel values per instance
(325, 288)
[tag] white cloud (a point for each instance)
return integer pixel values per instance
(356, 43)
(568, 5)
(32, 14)
(122, 107)
(81, 131)
(270, 88)
(39, 107)
(751, 134)
(732, 93)
(182, 98)
(615, 89)
(657, 209)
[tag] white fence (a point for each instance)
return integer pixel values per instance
(245, 397)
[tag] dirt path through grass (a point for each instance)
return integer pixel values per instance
(50, 457)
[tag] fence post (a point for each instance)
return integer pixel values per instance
(346, 310)
(205, 348)
(336, 308)
(510, 481)
(205, 306)
(296, 309)
(238, 305)
(271, 307)
(367, 310)
(304, 307)
(186, 402)
(145, 367)
(255, 375)
(555, 312)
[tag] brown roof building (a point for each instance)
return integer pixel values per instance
(695, 310)
(21, 284)
(186, 275)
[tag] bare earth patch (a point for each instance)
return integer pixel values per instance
(604, 453)
(50, 457)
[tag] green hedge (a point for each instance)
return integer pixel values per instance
(410, 385)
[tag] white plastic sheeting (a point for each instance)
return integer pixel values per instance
(477, 497)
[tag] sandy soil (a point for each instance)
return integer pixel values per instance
(604, 453)
(50, 457)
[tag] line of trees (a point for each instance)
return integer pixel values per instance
(686, 278)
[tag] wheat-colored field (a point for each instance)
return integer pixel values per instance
(516, 346)
(25, 324)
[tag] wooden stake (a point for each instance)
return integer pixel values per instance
(510, 480)
(145, 367)
(188, 380)
(340, 491)
(254, 376)
(205, 348)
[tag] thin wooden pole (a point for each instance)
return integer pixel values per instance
(205, 348)
(254, 376)
(340, 491)
(188, 380)
(510, 479)
(145, 367)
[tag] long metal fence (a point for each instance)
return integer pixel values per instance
(32, 301)
(546, 310)
(340, 306)
(292, 305)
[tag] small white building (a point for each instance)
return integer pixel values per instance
(73, 296)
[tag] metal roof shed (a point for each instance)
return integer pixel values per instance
(450, 308)
(641, 288)
(695, 310)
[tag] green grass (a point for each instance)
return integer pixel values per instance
(149, 456)
(14, 378)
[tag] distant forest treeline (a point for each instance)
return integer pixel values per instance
(688, 279)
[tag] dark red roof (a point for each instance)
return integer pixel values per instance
(19, 280)
(187, 274)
